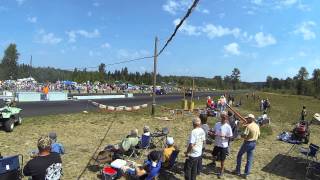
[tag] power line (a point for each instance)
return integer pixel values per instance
(131, 60)
(192, 7)
(178, 26)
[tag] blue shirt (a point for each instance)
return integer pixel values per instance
(57, 148)
(151, 170)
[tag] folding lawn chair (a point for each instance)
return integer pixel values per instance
(313, 171)
(160, 137)
(311, 152)
(173, 159)
(10, 167)
(145, 143)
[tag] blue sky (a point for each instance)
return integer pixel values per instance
(260, 37)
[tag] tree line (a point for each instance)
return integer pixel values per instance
(11, 69)
(301, 84)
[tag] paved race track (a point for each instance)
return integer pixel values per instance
(62, 107)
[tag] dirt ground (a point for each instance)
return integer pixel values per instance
(82, 133)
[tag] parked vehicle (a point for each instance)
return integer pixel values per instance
(9, 117)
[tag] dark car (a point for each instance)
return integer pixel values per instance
(160, 92)
(188, 93)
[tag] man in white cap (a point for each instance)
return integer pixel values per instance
(194, 150)
(168, 151)
(250, 136)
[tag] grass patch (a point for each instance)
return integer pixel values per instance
(81, 133)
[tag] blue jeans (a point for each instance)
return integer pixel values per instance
(247, 147)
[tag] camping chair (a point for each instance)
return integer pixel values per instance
(160, 137)
(10, 167)
(310, 152)
(145, 143)
(313, 170)
(173, 159)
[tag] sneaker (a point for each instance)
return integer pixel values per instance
(220, 175)
(236, 173)
(245, 176)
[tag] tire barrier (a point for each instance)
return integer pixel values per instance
(118, 108)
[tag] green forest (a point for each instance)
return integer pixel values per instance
(11, 69)
(302, 84)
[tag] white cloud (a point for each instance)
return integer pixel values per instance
(74, 33)
(171, 7)
(188, 29)
(174, 6)
(305, 29)
(304, 7)
(47, 38)
(20, 2)
(72, 36)
(205, 11)
(89, 14)
(87, 34)
(288, 2)
(32, 19)
(232, 49)
(213, 31)
(105, 45)
(263, 40)
(257, 2)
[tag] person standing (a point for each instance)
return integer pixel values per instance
(303, 113)
(194, 150)
(222, 132)
(250, 136)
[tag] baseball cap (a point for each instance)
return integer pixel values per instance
(250, 116)
(170, 140)
(44, 142)
(53, 135)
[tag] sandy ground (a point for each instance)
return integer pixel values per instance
(82, 133)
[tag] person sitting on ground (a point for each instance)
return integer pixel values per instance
(168, 151)
(55, 146)
(151, 167)
(46, 165)
(127, 144)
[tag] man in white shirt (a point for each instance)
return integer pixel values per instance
(194, 150)
(222, 132)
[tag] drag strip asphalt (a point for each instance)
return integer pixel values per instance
(73, 106)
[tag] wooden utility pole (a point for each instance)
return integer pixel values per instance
(30, 66)
(192, 92)
(154, 77)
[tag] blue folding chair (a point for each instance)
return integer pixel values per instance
(173, 158)
(10, 167)
(310, 153)
(145, 142)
